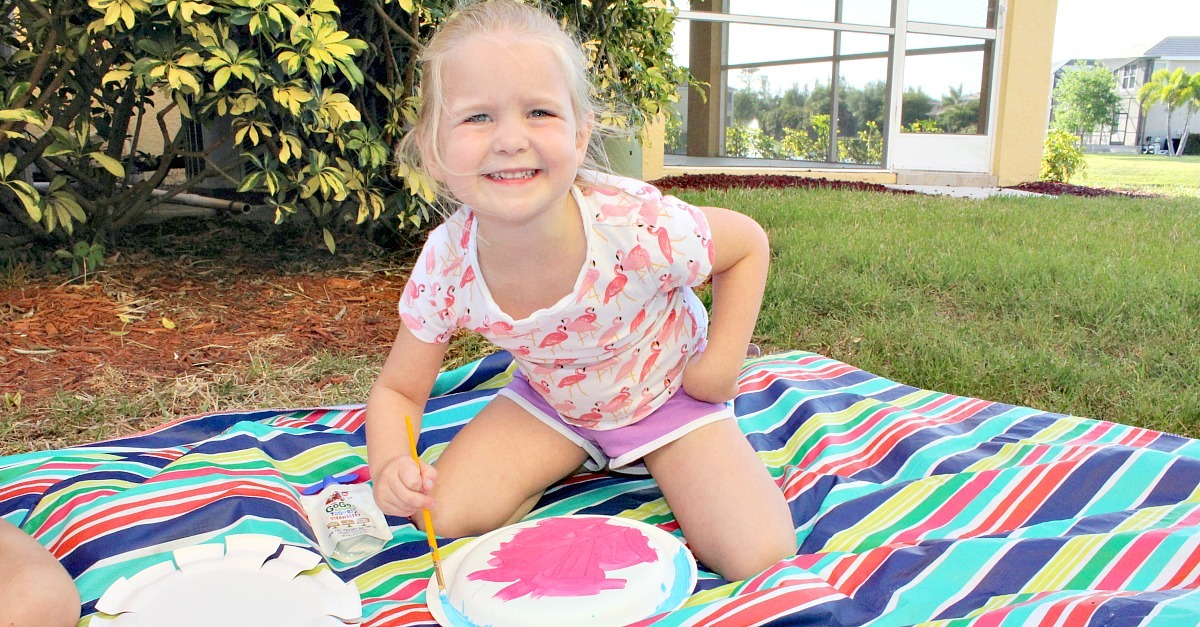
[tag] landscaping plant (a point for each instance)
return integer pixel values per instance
(1061, 156)
(299, 103)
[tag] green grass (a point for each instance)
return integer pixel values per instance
(1080, 306)
(1159, 174)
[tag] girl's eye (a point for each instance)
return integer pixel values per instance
(541, 113)
(479, 117)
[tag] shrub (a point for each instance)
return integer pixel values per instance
(1193, 144)
(314, 96)
(1061, 156)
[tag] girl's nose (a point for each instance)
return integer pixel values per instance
(510, 137)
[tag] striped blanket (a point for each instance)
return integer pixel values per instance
(911, 506)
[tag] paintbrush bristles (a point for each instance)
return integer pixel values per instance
(429, 535)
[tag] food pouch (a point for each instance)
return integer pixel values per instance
(348, 524)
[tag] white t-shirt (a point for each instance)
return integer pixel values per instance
(613, 350)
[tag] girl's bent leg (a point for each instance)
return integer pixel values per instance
(734, 517)
(494, 471)
(35, 590)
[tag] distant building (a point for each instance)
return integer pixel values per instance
(1134, 129)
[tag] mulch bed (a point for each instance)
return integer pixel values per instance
(1066, 189)
(726, 181)
(190, 302)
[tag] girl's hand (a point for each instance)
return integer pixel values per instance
(399, 489)
(707, 379)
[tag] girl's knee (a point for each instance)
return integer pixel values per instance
(456, 520)
(740, 559)
(41, 594)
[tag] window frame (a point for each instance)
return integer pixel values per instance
(897, 32)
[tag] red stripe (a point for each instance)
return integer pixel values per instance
(99, 523)
(953, 506)
(870, 421)
(859, 569)
(1018, 498)
(1132, 556)
(763, 605)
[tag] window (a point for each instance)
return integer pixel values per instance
(1127, 76)
(944, 80)
(813, 81)
(972, 13)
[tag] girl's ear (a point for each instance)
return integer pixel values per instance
(583, 136)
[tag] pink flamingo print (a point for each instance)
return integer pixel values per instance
(635, 260)
(499, 328)
(464, 319)
(655, 351)
(643, 407)
(669, 327)
(707, 243)
(523, 351)
(542, 386)
(412, 322)
(465, 239)
(674, 372)
(638, 320)
(413, 290)
(664, 242)
(558, 336)
(613, 210)
(572, 380)
(468, 276)
(585, 323)
(626, 368)
(565, 407)
(616, 285)
(693, 272)
(649, 212)
(590, 419)
(589, 281)
(618, 402)
(611, 332)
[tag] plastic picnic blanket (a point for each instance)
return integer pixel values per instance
(911, 506)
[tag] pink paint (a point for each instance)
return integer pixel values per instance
(565, 557)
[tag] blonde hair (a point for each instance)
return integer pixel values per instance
(491, 18)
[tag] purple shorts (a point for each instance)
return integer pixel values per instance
(619, 448)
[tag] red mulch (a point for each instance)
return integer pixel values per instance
(190, 302)
(222, 287)
(1052, 188)
(726, 181)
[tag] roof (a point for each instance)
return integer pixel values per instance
(1187, 47)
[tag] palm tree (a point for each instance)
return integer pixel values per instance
(1172, 89)
(1192, 102)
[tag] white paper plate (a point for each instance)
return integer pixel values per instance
(237, 583)
(685, 576)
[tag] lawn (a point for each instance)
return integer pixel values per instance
(1153, 173)
(1085, 306)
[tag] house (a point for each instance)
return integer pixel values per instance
(1134, 128)
(889, 91)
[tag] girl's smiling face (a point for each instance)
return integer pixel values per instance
(508, 140)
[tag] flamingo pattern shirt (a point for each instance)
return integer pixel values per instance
(613, 350)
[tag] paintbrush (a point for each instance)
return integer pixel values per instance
(437, 558)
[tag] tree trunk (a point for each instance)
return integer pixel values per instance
(1187, 120)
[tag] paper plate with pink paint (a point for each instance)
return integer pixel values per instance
(564, 570)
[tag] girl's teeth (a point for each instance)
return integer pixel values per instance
(512, 175)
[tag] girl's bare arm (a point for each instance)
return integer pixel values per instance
(739, 278)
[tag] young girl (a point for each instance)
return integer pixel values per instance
(586, 279)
